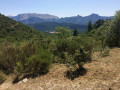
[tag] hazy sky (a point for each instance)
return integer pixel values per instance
(61, 8)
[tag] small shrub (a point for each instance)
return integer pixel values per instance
(70, 62)
(75, 63)
(28, 49)
(36, 64)
(26, 58)
(105, 52)
(74, 52)
(8, 57)
(78, 59)
(65, 45)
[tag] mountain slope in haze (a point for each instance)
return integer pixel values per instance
(83, 20)
(26, 16)
(50, 26)
(35, 20)
(12, 30)
(31, 18)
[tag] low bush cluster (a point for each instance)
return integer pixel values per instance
(26, 58)
(74, 52)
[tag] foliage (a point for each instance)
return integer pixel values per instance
(108, 33)
(98, 23)
(75, 32)
(113, 36)
(13, 31)
(23, 49)
(36, 64)
(101, 33)
(28, 58)
(105, 52)
(89, 26)
(63, 32)
(8, 56)
(74, 52)
(50, 26)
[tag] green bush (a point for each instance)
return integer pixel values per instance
(65, 45)
(8, 57)
(26, 58)
(105, 52)
(36, 64)
(77, 60)
(109, 32)
(63, 32)
(74, 52)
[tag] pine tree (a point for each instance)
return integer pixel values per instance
(98, 23)
(89, 26)
(75, 32)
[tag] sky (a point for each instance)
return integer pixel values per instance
(60, 8)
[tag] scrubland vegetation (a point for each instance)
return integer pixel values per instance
(24, 50)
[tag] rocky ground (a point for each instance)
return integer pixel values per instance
(102, 74)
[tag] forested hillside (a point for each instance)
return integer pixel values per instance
(50, 26)
(19, 45)
(14, 31)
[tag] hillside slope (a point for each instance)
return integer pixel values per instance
(102, 74)
(12, 30)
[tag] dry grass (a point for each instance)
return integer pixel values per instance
(102, 74)
(2, 77)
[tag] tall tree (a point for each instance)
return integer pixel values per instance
(98, 23)
(75, 32)
(89, 26)
(63, 32)
(113, 35)
(115, 29)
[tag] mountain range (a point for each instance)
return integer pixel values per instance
(26, 16)
(47, 22)
(32, 18)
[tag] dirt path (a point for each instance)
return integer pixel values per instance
(102, 74)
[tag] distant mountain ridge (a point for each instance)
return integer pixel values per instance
(26, 16)
(32, 18)
(47, 23)
(83, 20)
